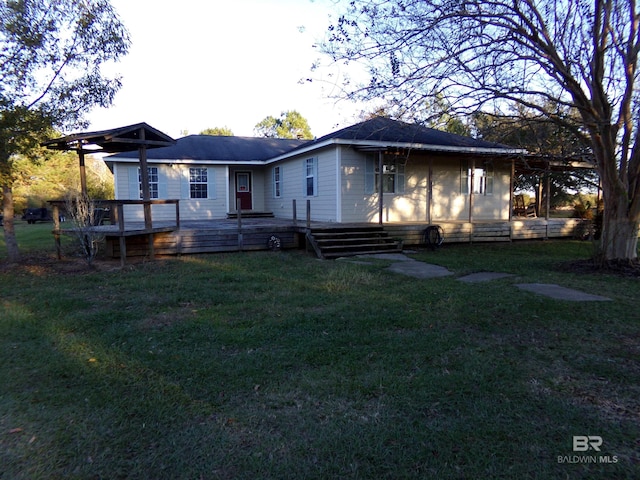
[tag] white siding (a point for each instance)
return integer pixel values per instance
(413, 205)
(174, 182)
(447, 201)
(358, 206)
(293, 183)
(450, 204)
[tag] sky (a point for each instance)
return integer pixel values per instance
(197, 64)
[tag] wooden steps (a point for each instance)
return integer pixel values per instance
(250, 214)
(346, 241)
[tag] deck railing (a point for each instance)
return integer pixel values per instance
(117, 218)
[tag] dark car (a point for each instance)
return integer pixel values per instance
(33, 215)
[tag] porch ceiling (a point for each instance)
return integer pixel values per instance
(534, 164)
(123, 139)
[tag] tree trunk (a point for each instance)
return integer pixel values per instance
(620, 220)
(13, 254)
(619, 240)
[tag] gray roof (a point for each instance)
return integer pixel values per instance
(379, 131)
(386, 130)
(229, 149)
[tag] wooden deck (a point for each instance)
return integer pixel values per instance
(491, 231)
(127, 237)
(224, 235)
(207, 236)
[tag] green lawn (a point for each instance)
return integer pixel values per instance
(277, 365)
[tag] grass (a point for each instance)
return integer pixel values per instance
(277, 365)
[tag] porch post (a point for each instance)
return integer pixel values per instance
(146, 194)
(240, 234)
(547, 186)
(472, 178)
(295, 212)
(380, 188)
(429, 190)
(548, 199)
(473, 170)
(511, 185)
(83, 170)
(56, 230)
(144, 179)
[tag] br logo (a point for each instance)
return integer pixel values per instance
(583, 443)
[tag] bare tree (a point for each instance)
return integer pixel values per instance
(487, 55)
(85, 217)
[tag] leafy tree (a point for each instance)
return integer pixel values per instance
(290, 125)
(435, 113)
(490, 55)
(39, 181)
(443, 117)
(525, 128)
(218, 132)
(51, 53)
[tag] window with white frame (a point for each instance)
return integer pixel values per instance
(198, 182)
(152, 172)
(393, 176)
(311, 177)
(277, 178)
(477, 179)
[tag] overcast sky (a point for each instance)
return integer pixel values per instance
(196, 64)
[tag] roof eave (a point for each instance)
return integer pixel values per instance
(183, 161)
(382, 145)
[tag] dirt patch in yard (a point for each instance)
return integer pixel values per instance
(42, 264)
(619, 268)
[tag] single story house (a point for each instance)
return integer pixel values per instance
(377, 171)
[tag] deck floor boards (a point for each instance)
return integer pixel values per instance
(223, 235)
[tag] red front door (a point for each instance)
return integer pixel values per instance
(243, 191)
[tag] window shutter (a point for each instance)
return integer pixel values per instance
(315, 176)
(134, 183)
(211, 183)
(369, 175)
(464, 177)
(185, 189)
(304, 177)
(400, 177)
(163, 183)
(489, 179)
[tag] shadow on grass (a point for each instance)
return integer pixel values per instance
(271, 365)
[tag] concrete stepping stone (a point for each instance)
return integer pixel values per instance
(417, 269)
(484, 277)
(561, 293)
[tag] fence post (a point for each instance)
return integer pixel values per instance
(240, 238)
(295, 213)
(56, 230)
(120, 216)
